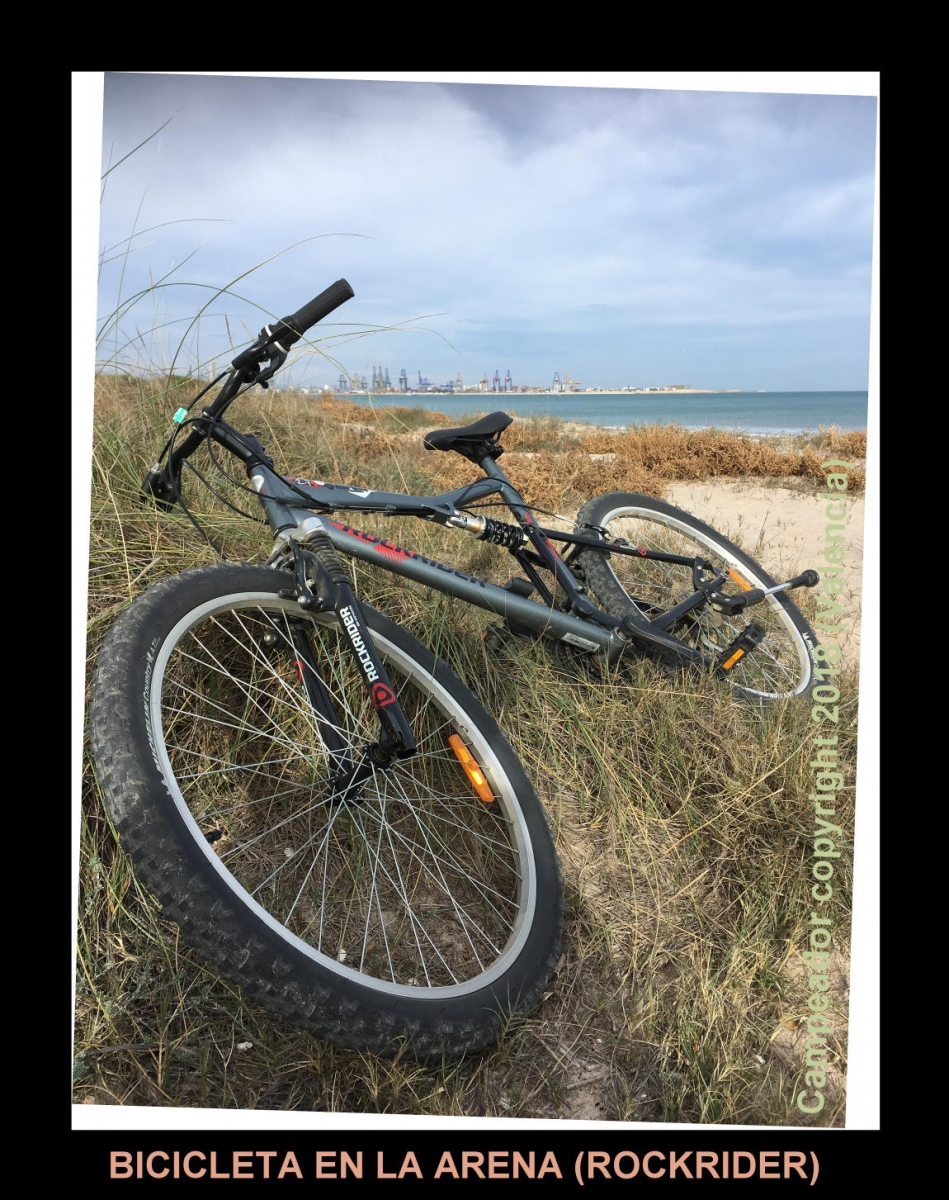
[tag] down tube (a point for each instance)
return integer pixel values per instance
(441, 578)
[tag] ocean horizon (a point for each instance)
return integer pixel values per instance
(738, 412)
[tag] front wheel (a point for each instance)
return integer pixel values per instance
(415, 912)
(783, 664)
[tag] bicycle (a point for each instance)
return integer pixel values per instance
(321, 804)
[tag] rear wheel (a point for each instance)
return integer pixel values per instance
(783, 664)
(417, 912)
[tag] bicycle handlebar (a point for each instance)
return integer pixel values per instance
(291, 329)
(288, 330)
(161, 484)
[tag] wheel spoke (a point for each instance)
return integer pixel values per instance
(413, 882)
(779, 666)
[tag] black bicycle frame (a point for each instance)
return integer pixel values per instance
(585, 626)
(593, 630)
(309, 544)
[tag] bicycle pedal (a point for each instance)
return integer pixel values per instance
(746, 641)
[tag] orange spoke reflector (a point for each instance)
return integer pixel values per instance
(471, 768)
(742, 583)
(730, 662)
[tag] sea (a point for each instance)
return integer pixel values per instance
(739, 412)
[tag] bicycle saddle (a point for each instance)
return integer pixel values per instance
(470, 438)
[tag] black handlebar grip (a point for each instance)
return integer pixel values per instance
(291, 329)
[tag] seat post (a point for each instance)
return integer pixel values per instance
(489, 465)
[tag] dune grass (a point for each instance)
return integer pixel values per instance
(681, 814)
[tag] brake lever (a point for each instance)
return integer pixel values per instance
(248, 364)
(274, 363)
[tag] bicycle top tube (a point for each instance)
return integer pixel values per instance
(336, 497)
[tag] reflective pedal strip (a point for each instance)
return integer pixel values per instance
(742, 583)
(471, 768)
(730, 662)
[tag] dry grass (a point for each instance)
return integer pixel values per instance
(682, 820)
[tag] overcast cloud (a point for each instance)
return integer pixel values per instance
(625, 236)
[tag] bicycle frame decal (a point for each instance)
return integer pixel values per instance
(381, 695)
(351, 625)
(304, 482)
(393, 553)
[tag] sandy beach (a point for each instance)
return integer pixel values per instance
(784, 529)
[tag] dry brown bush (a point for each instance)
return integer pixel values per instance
(640, 460)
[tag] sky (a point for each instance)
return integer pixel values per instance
(623, 236)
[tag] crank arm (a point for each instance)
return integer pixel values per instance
(652, 639)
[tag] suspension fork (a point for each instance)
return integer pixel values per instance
(316, 690)
(321, 584)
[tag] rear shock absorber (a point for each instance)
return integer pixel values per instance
(485, 529)
(501, 533)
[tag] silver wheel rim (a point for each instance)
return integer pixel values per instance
(780, 667)
(421, 887)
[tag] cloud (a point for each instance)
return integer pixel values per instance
(503, 207)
